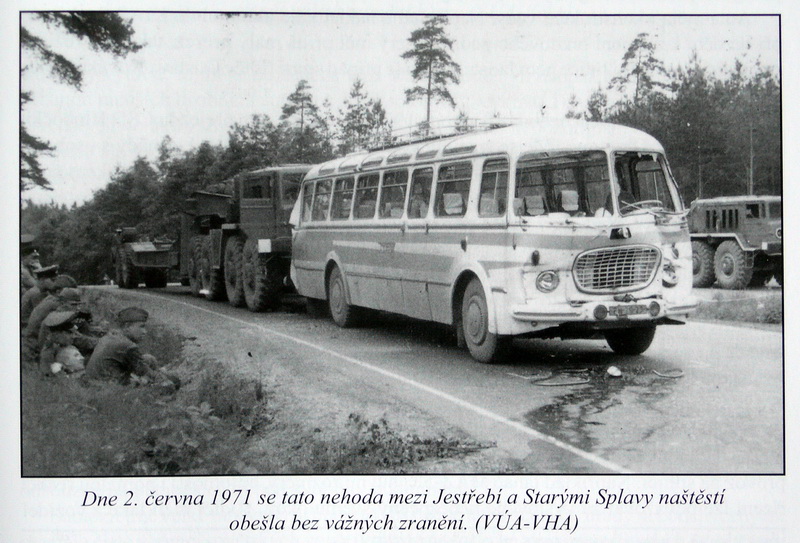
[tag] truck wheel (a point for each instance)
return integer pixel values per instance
(482, 344)
(155, 278)
(130, 277)
(213, 280)
(342, 313)
(118, 269)
(233, 271)
(630, 341)
(702, 264)
(730, 266)
(261, 282)
(195, 283)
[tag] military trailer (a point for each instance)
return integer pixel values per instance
(736, 241)
(136, 259)
(236, 237)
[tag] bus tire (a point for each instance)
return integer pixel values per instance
(702, 264)
(342, 313)
(233, 271)
(730, 266)
(195, 283)
(630, 341)
(130, 277)
(213, 280)
(260, 282)
(482, 344)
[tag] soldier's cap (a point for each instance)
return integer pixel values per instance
(132, 314)
(59, 320)
(46, 272)
(69, 294)
(26, 245)
(65, 281)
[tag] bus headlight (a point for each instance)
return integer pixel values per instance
(779, 233)
(668, 276)
(547, 281)
(654, 309)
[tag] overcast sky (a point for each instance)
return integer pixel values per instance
(198, 74)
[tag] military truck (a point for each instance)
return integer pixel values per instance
(736, 241)
(136, 259)
(236, 237)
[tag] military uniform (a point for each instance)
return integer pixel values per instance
(58, 353)
(29, 264)
(30, 300)
(115, 358)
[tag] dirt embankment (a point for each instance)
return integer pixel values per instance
(247, 405)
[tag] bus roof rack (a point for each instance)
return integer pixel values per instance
(444, 128)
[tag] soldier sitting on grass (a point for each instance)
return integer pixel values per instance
(45, 279)
(55, 298)
(59, 355)
(118, 358)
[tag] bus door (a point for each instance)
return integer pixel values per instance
(413, 258)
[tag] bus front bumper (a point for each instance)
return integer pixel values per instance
(604, 311)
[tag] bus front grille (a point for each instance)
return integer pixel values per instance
(616, 269)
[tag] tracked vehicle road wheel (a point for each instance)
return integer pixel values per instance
(212, 279)
(261, 282)
(630, 341)
(233, 271)
(730, 266)
(702, 264)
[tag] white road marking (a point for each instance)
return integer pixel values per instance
(420, 386)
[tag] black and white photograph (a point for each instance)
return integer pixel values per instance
(459, 274)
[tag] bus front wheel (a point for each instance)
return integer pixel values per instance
(482, 344)
(342, 313)
(630, 341)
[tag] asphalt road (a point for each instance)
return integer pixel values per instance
(705, 398)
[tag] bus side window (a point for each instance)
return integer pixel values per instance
(452, 189)
(531, 191)
(321, 201)
(393, 194)
(308, 197)
(366, 196)
(420, 193)
(342, 199)
(494, 188)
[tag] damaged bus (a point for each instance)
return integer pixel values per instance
(565, 229)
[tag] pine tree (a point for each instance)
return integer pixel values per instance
(105, 32)
(433, 66)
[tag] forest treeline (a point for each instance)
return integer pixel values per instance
(720, 130)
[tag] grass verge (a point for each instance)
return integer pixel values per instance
(217, 423)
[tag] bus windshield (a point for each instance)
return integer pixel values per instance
(643, 183)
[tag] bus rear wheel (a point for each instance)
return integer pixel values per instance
(482, 344)
(630, 341)
(342, 313)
